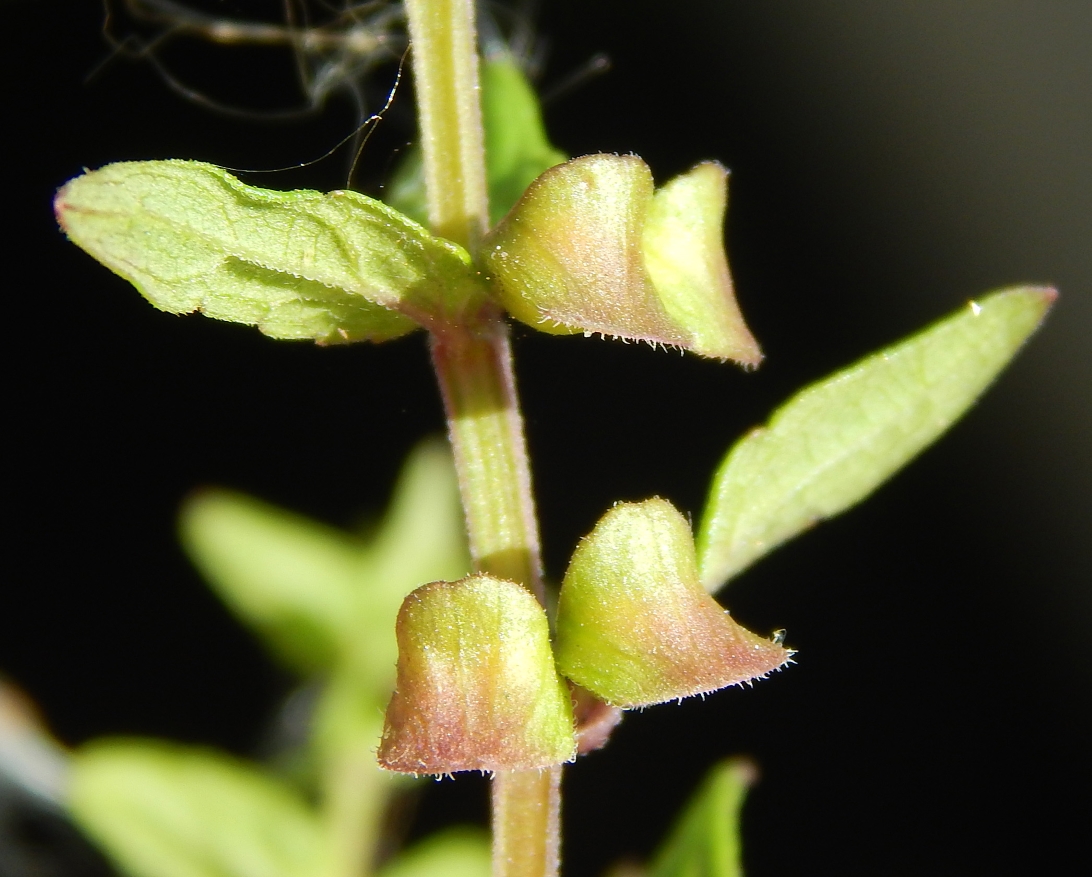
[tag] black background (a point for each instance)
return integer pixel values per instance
(889, 161)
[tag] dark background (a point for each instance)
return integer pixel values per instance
(890, 161)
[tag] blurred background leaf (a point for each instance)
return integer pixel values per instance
(162, 810)
(705, 841)
(453, 853)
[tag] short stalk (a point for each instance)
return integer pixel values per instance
(474, 370)
(526, 805)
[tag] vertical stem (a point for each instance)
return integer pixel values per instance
(445, 69)
(526, 804)
(474, 369)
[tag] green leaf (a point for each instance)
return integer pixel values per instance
(161, 810)
(833, 443)
(706, 840)
(291, 578)
(591, 247)
(516, 147)
(319, 596)
(452, 853)
(405, 191)
(422, 538)
(477, 687)
(333, 267)
(634, 625)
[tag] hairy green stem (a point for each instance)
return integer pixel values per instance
(474, 370)
(475, 375)
(443, 40)
(526, 805)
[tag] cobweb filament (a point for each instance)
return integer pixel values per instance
(334, 48)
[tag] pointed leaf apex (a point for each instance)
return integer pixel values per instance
(684, 254)
(836, 441)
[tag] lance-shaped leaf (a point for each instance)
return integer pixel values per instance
(706, 840)
(635, 626)
(333, 267)
(161, 810)
(832, 444)
(592, 247)
(477, 688)
(516, 147)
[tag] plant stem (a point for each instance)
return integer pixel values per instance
(445, 70)
(474, 369)
(526, 805)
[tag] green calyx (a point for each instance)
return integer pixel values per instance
(634, 624)
(592, 247)
(477, 688)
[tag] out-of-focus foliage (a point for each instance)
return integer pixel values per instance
(163, 810)
(706, 840)
(325, 602)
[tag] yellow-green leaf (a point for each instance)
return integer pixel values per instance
(163, 810)
(452, 853)
(833, 443)
(291, 578)
(517, 149)
(706, 840)
(333, 267)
